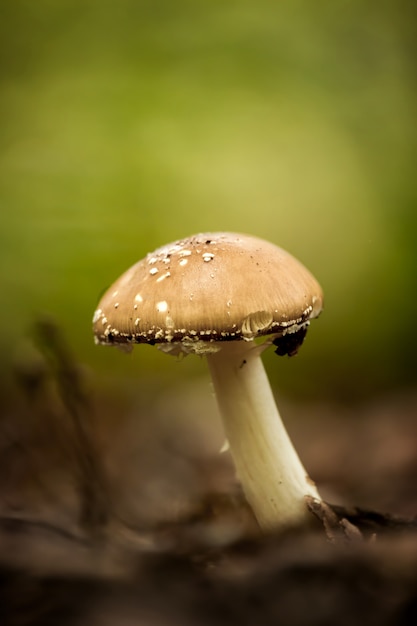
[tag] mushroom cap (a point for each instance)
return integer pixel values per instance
(208, 288)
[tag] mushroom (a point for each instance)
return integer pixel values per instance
(215, 294)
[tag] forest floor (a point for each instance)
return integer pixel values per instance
(103, 532)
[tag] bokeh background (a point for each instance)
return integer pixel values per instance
(126, 125)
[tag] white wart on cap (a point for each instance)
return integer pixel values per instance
(207, 288)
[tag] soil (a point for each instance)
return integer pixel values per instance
(104, 524)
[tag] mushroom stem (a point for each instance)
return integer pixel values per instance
(273, 478)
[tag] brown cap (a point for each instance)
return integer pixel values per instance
(207, 288)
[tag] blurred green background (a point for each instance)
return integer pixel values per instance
(128, 124)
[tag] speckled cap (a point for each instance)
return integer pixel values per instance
(208, 288)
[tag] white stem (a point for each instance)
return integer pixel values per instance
(272, 476)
